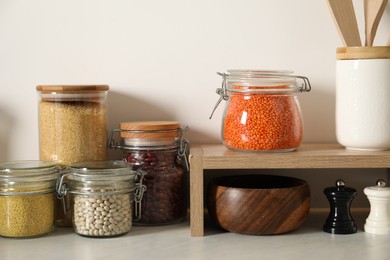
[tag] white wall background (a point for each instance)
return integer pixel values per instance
(160, 58)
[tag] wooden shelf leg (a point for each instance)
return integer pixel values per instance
(196, 193)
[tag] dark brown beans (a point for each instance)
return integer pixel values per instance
(165, 200)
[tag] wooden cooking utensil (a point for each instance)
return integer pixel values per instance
(373, 11)
(345, 19)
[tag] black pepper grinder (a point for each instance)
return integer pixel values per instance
(339, 220)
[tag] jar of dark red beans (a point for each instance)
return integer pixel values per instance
(158, 150)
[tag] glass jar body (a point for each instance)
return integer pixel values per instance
(72, 128)
(262, 112)
(262, 122)
(102, 214)
(165, 200)
(101, 198)
(72, 124)
(27, 199)
(24, 216)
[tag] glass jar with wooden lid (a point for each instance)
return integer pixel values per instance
(72, 126)
(157, 149)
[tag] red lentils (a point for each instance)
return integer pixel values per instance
(262, 121)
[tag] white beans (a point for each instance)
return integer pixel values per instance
(102, 215)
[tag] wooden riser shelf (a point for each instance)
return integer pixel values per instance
(308, 156)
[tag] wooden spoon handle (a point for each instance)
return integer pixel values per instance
(345, 19)
(373, 11)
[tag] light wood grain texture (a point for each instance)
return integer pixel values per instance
(196, 192)
(70, 88)
(308, 156)
(373, 11)
(370, 52)
(72, 93)
(344, 16)
(149, 129)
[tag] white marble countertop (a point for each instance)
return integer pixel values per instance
(175, 242)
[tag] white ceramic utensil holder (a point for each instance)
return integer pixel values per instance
(363, 97)
(378, 221)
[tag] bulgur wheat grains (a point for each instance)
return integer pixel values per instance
(72, 131)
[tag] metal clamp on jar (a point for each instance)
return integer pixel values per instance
(102, 194)
(262, 111)
(158, 149)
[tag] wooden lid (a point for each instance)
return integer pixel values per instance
(150, 129)
(72, 88)
(70, 93)
(354, 53)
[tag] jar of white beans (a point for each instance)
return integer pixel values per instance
(102, 195)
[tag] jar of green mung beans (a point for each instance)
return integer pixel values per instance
(27, 194)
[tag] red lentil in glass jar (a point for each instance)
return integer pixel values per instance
(159, 151)
(262, 111)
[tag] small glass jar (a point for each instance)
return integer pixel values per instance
(27, 195)
(72, 127)
(262, 111)
(101, 195)
(158, 149)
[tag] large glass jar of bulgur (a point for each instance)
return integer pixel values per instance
(262, 112)
(72, 127)
(159, 151)
(27, 196)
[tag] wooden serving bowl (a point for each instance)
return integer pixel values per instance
(258, 204)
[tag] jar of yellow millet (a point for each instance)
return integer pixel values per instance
(27, 194)
(262, 112)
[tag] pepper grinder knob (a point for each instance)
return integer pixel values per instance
(340, 184)
(378, 221)
(339, 220)
(381, 183)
